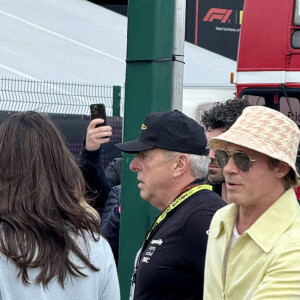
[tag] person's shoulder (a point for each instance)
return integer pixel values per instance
(86, 239)
(114, 196)
(100, 249)
(203, 206)
(116, 162)
(215, 196)
(95, 246)
(227, 211)
(209, 199)
(116, 189)
(292, 234)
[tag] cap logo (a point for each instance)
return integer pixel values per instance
(144, 127)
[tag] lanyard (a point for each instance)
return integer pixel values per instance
(162, 216)
(175, 203)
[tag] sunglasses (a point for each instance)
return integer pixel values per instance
(241, 159)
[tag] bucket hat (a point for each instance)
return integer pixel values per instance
(264, 130)
(172, 130)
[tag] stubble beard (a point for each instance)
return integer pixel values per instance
(216, 177)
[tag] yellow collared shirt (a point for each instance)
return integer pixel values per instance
(264, 264)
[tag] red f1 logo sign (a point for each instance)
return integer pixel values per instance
(218, 14)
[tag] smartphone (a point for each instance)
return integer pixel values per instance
(98, 111)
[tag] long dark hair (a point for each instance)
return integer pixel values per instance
(42, 205)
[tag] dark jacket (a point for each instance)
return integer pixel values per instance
(113, 172)
(104, 187)
(99, 181)
(110, 221)
(171, 264)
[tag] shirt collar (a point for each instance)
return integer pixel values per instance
(265, 231)
(227, 220)
(270, 226)
(193, 184)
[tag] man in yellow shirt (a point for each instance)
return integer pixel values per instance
(253, 249)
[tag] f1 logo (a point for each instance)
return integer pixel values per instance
(218, 14)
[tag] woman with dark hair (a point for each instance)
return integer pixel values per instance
(50, 242)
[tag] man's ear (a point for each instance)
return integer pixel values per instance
(181, 164)
(282, 169)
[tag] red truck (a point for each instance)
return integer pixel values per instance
(268, 62)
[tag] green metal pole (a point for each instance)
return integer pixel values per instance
(116, 100)
(148, 88)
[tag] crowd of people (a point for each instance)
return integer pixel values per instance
(229, 222)
(171, 167)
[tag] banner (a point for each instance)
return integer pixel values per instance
(215, 25)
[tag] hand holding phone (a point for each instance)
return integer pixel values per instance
(98, 111)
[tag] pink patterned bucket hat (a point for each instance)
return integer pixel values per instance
(264, 130)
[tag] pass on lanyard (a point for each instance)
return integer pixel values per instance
(176, 202)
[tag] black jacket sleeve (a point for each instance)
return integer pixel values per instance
(113, 172)
(110, 221)
(94, 175)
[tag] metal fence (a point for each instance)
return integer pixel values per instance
(68, 105)
(58, 97)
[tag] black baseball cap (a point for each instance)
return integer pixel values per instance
(172, 130)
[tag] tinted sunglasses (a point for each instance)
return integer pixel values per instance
(241, 159)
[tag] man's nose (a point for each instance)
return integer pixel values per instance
(211, 154)
(134, 165)
(230, 167)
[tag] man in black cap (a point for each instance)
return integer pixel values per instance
(172, 164)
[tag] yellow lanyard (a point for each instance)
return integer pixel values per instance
(176, 202)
